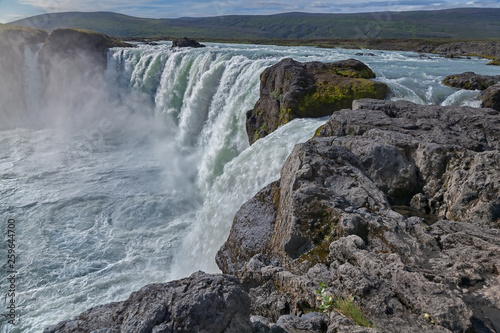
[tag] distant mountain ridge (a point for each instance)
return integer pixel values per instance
(459, 23)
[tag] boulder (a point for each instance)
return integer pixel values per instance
(200, 303)
(491, 97)
(336, 217)
(291, 89)
(495, 62)
(186, 42)
(471, 81)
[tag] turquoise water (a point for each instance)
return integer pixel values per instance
(145, 189)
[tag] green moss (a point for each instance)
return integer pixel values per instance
(261, 130)
(495, 62)
(333, 96)
(285, 116)
(355, 74)
(318, 131)
(276, 95)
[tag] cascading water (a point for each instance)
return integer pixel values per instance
(140, 182)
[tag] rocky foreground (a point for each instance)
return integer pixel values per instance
(393, 206)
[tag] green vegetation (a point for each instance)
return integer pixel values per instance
(338, 95)
(495, 62)
(463, 23)
(343, 305)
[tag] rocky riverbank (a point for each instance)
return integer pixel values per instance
(472, 81)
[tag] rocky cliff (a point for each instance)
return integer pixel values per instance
(73, 44)
(395, 206)
(68, 58)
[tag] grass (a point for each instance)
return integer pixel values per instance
(342, 305)
(347, 307)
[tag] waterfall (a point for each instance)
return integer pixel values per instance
(32, 78)
(134, 177)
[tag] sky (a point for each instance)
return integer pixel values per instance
(11, 10)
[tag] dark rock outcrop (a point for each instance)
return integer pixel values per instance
(479, 48)
(495, 62)
(186, 42)
(291, 89)
(201, 303)
(334, 219)
(491, 97)
(471, 81)
(74, 44)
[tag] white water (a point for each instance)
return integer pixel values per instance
(136, 179)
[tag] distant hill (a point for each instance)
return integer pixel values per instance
(460, 23)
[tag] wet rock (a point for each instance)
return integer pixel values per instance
(495, 62)
(291, 89)
(491, 97)
(471, 81)
(186, 42)
(200, 303)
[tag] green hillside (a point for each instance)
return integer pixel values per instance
(461, 23)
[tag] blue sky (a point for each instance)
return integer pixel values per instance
(11, 10)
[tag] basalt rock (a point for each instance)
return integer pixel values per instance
(291, 89)
(186, 42)
(445, 156)
(480, 48)
(335, 219)
(495, 62)
(471, 81)
(491, 97)
(71, 44)
(200, 303)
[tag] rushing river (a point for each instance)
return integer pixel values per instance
(145, 190)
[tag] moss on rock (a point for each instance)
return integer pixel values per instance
(291, 89)
(338, 94)
(495, 62)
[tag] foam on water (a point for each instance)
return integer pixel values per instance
(145, 189)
